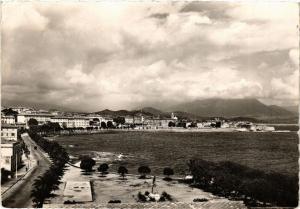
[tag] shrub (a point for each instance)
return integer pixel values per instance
(168, 172)
(167, 196)
(233, 180)
(103, 168)
(122, 171)
(87, 163)
(114, 201)
(141, 197)
(200, 200)
(162, 199)
(144, 170)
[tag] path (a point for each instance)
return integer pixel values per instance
(18, 196)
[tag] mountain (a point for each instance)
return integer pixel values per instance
(152, 111)
(231, 108)
(108, 112)
(149, 111)
(294, 109)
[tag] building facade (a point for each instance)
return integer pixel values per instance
(41, 118)
(9, 132)
(11, 155)
(7, 119)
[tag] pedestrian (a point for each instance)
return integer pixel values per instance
(37, 162)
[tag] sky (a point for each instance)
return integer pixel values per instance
(89, 56)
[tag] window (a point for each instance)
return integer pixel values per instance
(12, 134)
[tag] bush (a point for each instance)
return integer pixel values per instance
(168, 172)
(144, 170)
(236, 181)
(162, 199)
(114, 201)
(200, 200)
(122, 171)
(167, 196)
(103, 168)
(87, 163)
(141, 197)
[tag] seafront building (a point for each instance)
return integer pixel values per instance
(9, 132)
(71, 122)
(8, 119)
(11, 154)
(41, 118)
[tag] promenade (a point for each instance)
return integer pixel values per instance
(18, 194)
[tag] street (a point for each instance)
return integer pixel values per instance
(19, 195)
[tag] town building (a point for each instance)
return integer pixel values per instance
(11, 155)
(41, 118)
(71, 122)
(8, 119)
(9, 132)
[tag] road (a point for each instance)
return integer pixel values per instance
(19, 195)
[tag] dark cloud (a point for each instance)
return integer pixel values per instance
(96, 56)
(159, 15)
(213, 10)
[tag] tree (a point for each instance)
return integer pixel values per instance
(171, 124)
(103, 168)
(168, 172)
(87, 163)
(9, 111)
(110, 124)
(122, 171)
(218, 124)
(33, 122)
(119, 120)
(144, 170)
(103, 124)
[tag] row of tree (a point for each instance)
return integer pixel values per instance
(87, 163)
(255, 187)
(49, 181)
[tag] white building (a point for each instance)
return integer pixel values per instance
(71, 122)
(21, 109)
(9, 132)
(8, 119)
(11, 155)
(41, 118)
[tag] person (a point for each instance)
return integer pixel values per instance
(37, 162)
(26, 168)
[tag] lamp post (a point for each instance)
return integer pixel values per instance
(16, 165)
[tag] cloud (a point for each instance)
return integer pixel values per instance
(90, 56)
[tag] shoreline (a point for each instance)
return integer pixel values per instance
(174, 130)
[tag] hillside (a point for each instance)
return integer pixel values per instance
(231, 108)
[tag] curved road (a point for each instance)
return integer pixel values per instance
(19, 195)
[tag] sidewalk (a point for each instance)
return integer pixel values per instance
(21, 174)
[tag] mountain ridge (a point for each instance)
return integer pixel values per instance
(211, 108)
